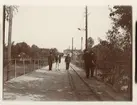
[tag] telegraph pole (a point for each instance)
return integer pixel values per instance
(81, 43)
(86, 28)
(72, 47)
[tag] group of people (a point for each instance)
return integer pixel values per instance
(57, 59)
(88, 57)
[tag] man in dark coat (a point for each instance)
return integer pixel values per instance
(59, 58)
(50, 60)
(67, 60)
(90, 62)
(93, 64)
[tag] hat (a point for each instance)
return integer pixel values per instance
(85, 50)
(50, 52)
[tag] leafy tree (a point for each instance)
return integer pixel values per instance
(35, 51)
(120, 35)
(120, 39)
(54, 51)
(121, 17)
(19, 48)
(10, 10)
(44, 52)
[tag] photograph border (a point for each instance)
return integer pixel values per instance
(76, 3)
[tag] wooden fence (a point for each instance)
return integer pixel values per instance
(18, 67)
(117, 74)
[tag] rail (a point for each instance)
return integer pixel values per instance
(87, 85)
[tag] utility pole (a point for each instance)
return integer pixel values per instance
(9, 39)
(72, 48)
(86, 28)
(81, 43)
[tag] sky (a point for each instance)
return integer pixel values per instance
(54, 26)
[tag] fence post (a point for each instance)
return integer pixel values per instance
(30, 65)
(24, 65)
(8, 70)
(34, 65)
(38, 64)
(95, 71)
(15, 68)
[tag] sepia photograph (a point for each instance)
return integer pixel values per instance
(67, 53)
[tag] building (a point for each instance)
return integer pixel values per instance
(67, 51)
(76, 52)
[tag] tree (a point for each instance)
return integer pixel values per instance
(19, 48)
(120, 36)
(8, 16)
(9, 11)
(35, 51)
(121, 17)
(4, 32)
(54, 51)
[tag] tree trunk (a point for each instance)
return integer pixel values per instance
(3, 40)
(3, 33)
(9, 42)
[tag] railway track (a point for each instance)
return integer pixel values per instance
(74, 78)
(72, 85)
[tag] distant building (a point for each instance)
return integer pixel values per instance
(67, 51)
(76, 52)
(45, 50)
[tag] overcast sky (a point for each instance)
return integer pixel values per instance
(54, 26)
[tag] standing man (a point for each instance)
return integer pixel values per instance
(89, 61)
(59, 58)
(93, 64)
(50, 60)
(67, 60)
(57, 61)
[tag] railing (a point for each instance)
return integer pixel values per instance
(18, 67)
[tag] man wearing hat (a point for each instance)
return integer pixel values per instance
(89, 61)
(67, 60)
(50, 60)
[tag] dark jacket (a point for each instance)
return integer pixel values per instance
(89, 59)
(50, 59)
(59, 58)
(67, 59)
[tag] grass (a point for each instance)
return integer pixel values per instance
(21, 69)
